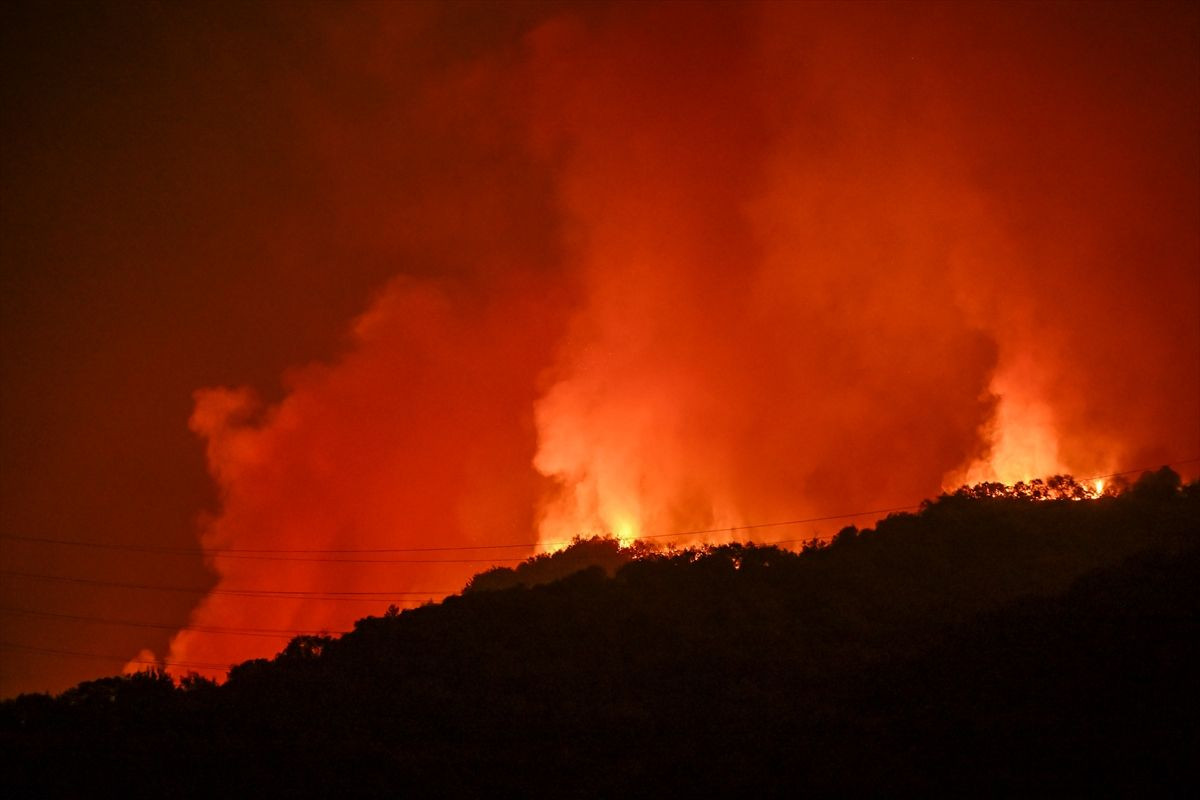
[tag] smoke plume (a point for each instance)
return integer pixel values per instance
(804, 260)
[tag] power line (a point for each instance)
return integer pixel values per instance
(118, 659)
(759, 525)
(288, 554)
(267, 555)
(371, 596)
(192, 551)
(274, 633)
(250, 554)
(247, 555)
(361, 596)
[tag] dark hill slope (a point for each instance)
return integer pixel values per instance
(997, 645)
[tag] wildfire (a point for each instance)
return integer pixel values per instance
(781, 287)
(625, 531)
(1057, 487)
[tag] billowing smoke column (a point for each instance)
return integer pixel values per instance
(836, 258)
(770, 327)
(819, 260)
(415, 440)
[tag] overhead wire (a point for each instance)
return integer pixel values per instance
(289, 554)
(370, 596)
(116, 659)
(268, 555)
(361, 596)
(273, 633)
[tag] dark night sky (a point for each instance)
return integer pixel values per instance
(173, 220)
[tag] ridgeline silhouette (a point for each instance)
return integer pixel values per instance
(998, 641)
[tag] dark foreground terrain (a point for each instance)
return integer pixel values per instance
(991, 644)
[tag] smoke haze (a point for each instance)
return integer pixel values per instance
(655, 267)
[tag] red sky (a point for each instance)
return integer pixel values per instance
(407, 276)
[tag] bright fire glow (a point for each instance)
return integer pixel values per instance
(792, 260)
(1023, 438)
(626, 532)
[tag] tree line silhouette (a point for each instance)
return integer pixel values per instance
(994, 642)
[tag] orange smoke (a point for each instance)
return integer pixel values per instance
(837, 259)
(418, 438)
(824, 259)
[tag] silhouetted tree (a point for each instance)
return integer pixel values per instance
(1010, 641)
